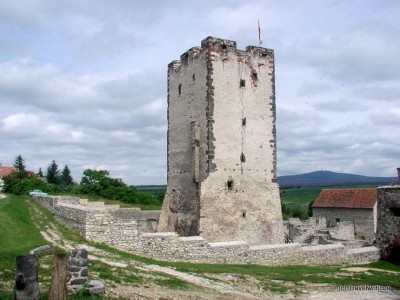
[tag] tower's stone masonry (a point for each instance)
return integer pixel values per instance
(222, 145)
(388, 231)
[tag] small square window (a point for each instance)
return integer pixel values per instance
(242, 83)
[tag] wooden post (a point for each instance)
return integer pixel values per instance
(26, 278)
(58, 287)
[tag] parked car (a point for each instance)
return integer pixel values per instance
(37, 192)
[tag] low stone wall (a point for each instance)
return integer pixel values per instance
(123, 229)
(168, 246)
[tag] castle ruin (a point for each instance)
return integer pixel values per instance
(222, 145)
(222, 203)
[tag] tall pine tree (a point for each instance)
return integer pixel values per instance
(66, 178)
(53, 173)
(19, 164)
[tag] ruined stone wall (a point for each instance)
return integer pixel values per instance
(388, 231)
(120, 228)
(363, 219)
(222, 145)
(299, 231)
(343, 231)
(97, 222)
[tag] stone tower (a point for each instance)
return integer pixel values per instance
(222, 145)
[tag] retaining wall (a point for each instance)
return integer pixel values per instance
(127, 229)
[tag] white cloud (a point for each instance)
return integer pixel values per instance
(20, 122)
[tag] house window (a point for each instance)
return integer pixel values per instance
(244, 214)
(337, 220)
(242, 158)
(194, 77)
(242, 83)
(224, 47)
(179, 89)
(244, 122)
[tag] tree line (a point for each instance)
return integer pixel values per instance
(96, 183)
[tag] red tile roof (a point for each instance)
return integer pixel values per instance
(5, 171)
(346, 198)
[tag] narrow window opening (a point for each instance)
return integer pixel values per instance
(395, 211)
(264, 54)
(244, 214)
(254, 76)
(230, 185)
(244, 122)
(242, 158)
(194, 77)
(337, 220)
(224, 47)
(179, 89)
(242, 83)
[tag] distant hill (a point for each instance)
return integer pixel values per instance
(318, 178)
(327, 178)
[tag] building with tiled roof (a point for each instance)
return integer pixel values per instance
(356, 205)
(5, 171)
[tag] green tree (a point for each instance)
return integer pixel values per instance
(94, 176)
(66, 177)
(19, 164)
(53, 173)
(40, 173)
(93, 181)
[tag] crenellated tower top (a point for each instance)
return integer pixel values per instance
(222, 49)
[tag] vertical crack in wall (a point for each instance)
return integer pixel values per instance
(273, 110)
(210, 110)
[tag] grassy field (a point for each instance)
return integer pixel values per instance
(22, 220)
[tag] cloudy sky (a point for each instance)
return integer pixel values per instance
(84, 82)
